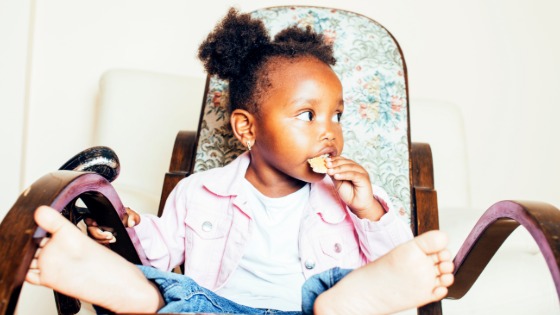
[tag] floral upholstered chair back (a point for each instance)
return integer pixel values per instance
(373, 74)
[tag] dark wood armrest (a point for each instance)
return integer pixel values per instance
(424, 196)
(424, 210)
(183, 150)
(20, 236)
(182, 162)
(541, 220)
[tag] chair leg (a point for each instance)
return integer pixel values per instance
(66, 305)
(430, 309)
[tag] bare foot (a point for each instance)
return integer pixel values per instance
(71, 263)
(413, 274)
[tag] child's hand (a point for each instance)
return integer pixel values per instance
(104, 235)
(354, 187)
(131, 218)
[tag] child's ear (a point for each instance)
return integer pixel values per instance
(242, 123)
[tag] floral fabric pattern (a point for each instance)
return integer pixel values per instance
(375, 122)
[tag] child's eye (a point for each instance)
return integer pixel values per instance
(307, 116)
(336, 117)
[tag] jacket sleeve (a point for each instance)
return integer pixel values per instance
(379, 237)
(163, 238)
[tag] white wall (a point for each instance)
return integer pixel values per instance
(14, 35)
(496, 60)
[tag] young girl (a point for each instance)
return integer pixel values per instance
(255, 230)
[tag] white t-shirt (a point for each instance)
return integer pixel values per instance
(269, 274)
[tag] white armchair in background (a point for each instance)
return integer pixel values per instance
(517, 280)
(138, 115)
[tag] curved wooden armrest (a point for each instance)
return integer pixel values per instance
(183, 149)
(541, 220)
(20, 236)
(181, 165)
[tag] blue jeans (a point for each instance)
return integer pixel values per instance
(181, 294)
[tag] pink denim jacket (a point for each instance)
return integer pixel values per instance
(205, 224)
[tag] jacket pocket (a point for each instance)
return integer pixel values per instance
(207, 224)
(340, 246)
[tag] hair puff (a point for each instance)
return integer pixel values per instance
(233, 41)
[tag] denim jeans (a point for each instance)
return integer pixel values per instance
(318, 284)
(182, 294)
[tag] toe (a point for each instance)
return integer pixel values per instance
(439, 293)
(49, 219)
(444, 255)
(434, 258)
(446, 280)
(432, 242)
(446, 267)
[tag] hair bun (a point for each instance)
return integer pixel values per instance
(235, 39)
(295, 40)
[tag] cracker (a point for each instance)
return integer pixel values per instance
(319, 164)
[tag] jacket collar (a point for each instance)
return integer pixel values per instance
(323, 198)
(227, 180)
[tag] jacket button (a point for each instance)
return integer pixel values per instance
(207, 226)
(309, 264)
(337, 248)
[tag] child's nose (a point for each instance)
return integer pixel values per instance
(329, 133)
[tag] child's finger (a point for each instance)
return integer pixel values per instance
(131, 222)
(351, 176)
(338, 160)
(130, 218)
(344, 165)
(346, 169)
(103, 237)
(90, 222)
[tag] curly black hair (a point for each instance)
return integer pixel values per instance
(238, 50)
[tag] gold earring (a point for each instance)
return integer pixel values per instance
(248, 145)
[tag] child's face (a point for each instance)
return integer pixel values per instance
(299, 118)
